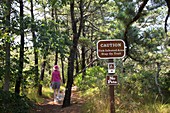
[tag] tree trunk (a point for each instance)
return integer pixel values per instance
(66, 101)
(7, 48)
(77, 62)
(34, 45)
(168, 14)
(157, 81)
(76, 36)
(21, 59)
(54, 11)
(44, 59)
(91, 50)
(42, 75)
(62, 66)
(83, 65)
(56, 57)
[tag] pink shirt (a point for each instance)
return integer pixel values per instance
(56, 76)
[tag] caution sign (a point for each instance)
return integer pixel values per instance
(110, 49)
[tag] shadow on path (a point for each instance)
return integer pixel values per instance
(49, 106)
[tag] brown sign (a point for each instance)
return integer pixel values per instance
(112, 80)
(109, 49)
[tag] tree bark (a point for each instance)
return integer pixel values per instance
(91, 50)
(168, 14)
(21, 59)
(62, 66)
(83, 65)
(34, 45)
(44, 59)
(56, 57)
(71, 59)
(77, 62)
(157, 81)
(7, 48)
(138, 15)
(42, 75)
(83, 49)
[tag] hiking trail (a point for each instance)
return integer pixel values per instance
(49, 106)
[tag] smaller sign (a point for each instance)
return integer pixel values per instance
(112, 80)
(111, 67)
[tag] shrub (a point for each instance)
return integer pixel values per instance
(14, 103)
(94, 78)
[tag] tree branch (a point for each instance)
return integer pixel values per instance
(138, 15)
(99, 6)
(166, 19)
(97, 29)
(81, 17)
(85, 67)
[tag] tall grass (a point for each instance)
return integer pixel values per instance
(99, 103)
(47, 93)
(33, 95)
(135, 94)
(96, 104)
(153, 108)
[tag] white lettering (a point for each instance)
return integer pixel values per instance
(111, 82)
(111, 45)
(117, 53)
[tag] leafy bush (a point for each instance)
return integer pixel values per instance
(94, 78)
(136, 93)
(13, 103)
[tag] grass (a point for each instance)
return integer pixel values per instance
(152, 108)
(100, 103)
(47, 93)
(33, 95)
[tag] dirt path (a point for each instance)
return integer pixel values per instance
(49, 106)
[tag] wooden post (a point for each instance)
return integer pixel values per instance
(111, 49)
(112, 99)
(111, 93)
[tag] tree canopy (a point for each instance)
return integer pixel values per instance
(36, 34)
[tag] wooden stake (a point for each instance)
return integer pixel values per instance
(111, 92)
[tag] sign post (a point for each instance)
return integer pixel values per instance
(111, 80)
(111, 49)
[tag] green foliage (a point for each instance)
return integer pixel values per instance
(136, 93)
(13, 103)
(93, 79)
(85, 42)
(145, 37)
(139, 84)
(97, 103)
(33, 96)
(164, 84)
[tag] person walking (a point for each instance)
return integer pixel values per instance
(56, 82)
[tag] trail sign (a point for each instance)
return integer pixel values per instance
(112, 80)
(110, 49)
(111, 67)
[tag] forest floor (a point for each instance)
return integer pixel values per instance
(49, 106)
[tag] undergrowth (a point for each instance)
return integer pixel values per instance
(47, 93)
(99, 102)
(132, 96)
(13, 103)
